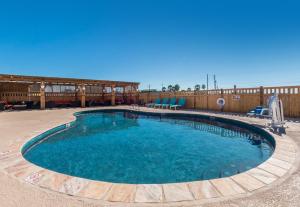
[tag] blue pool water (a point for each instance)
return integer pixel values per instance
(126, 147)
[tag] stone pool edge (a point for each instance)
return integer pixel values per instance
(248, 182)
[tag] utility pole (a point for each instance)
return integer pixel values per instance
(207, 91)
(148, 99)
(207, 82)
(215, 82)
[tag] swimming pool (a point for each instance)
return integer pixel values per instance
(122, 146)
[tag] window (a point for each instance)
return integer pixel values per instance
(56, 88)
(48, 88)
(119, 89)
(35, 88)
(67, 89)
(108, 89)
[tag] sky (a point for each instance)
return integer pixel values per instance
(246, 43)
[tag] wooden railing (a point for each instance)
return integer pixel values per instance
(19, 96)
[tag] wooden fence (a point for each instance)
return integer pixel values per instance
(239, 100)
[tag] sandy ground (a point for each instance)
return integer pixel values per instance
(13, 193)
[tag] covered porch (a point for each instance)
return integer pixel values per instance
(48, 92)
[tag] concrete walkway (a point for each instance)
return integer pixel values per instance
(13, 125)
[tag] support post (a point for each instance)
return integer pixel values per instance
(28, 93)
(134, 91)
(113, 95)
(103, 93)
(130, 96)
(82, 95)
(42, 96)
(261, 95)
(124, 95)
(137, 95)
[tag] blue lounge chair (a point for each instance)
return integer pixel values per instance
(180, 104)
(164, 101)
(150, 105)
(172, 102)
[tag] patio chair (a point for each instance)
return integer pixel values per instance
(20, 106)
(172, 102)
(180, 104)
(150, 105)
(164, 102)
(7, 105)
(2, 106)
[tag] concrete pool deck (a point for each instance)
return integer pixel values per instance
(275, 182)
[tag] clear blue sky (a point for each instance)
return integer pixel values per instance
(248, 43)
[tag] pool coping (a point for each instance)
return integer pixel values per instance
(280, 164)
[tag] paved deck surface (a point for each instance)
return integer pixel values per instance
(17, 126)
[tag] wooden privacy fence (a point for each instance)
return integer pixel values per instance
(239, 100)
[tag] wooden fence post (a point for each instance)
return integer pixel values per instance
(195, 99)
(222, 96)
(207, 99)
(148, 97)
